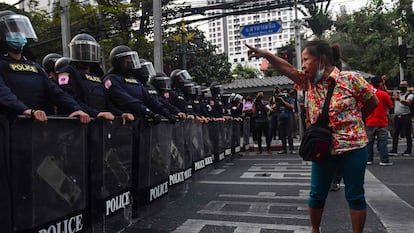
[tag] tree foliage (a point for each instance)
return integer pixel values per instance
(317, 17)
(244, 72)
(369, 40)
(115, 22)
(202, 62)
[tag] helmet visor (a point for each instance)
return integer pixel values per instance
(148, 68)
(189, 88)
(207, 93)
(10, 24)
(129, 60)
(163, 83)
(184, 75)
(85, 51)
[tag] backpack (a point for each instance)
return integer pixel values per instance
(411, 104)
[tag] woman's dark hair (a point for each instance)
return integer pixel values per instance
(318, 48)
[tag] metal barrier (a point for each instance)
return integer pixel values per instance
(50, 161)
(110, 180)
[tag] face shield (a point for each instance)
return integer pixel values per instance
(162, 83)
(148, 69)
(14, 23)
(184, 75)
(129, 60)
(206, 93)
(85, 51)
(189, 89)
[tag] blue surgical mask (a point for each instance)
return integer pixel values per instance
(16, 41)
(319, 74)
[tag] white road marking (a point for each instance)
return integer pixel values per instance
(380, 198)
(276, 175)
(254, 183)
(195, 226)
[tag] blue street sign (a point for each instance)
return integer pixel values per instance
(260, 29)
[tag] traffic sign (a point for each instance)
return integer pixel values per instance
(260, 29)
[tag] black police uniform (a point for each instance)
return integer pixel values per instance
(87, 89)
(31, 85)
(162, 99)
(215, 107)
(177, 99)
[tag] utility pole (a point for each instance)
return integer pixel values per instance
(158, 53)
(298, 64)
(400, 42)
(65, 26)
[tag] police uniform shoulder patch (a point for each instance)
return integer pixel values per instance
(108, 83)
(63, 79)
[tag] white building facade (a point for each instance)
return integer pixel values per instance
(225, 33)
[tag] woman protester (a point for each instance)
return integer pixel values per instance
(352, 100)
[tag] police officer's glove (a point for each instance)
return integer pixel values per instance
(153, 117)
(173, 118)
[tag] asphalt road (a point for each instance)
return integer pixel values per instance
(268, 194)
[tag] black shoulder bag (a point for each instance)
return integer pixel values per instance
(317, 138)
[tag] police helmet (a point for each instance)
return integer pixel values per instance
(198, 89)
(161, 81)
(206, 92)
(237, 98)
(84, 48)
(179, 77)
(216, 89)
(147, 68)
(189, 88)
(61, 63)
(11, 23)
(123, 58)
(49, 61)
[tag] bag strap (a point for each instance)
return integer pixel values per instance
(323, 118)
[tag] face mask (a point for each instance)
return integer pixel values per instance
(16, 41)
(319, 74)
(403, 89)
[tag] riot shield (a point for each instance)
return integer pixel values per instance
(154, 161)
(181, 161)
(197, 145)
(246, 134)
(227, 134)
(216, 139)
(50, 160)
(208, 147)
(235, 147)
(5, 195)
(110, 149)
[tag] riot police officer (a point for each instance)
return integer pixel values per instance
(25, 86)
(215, 103)
(124, 89)
(178, 79)
(81, 78)
(159, 86)
(48, 64)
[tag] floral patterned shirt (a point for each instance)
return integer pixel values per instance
(345, 117)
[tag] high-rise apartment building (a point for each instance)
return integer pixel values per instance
(225, 32)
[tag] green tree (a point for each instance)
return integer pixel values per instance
(244, 72)
(369, 39)
(317, 17)
(202, 61)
